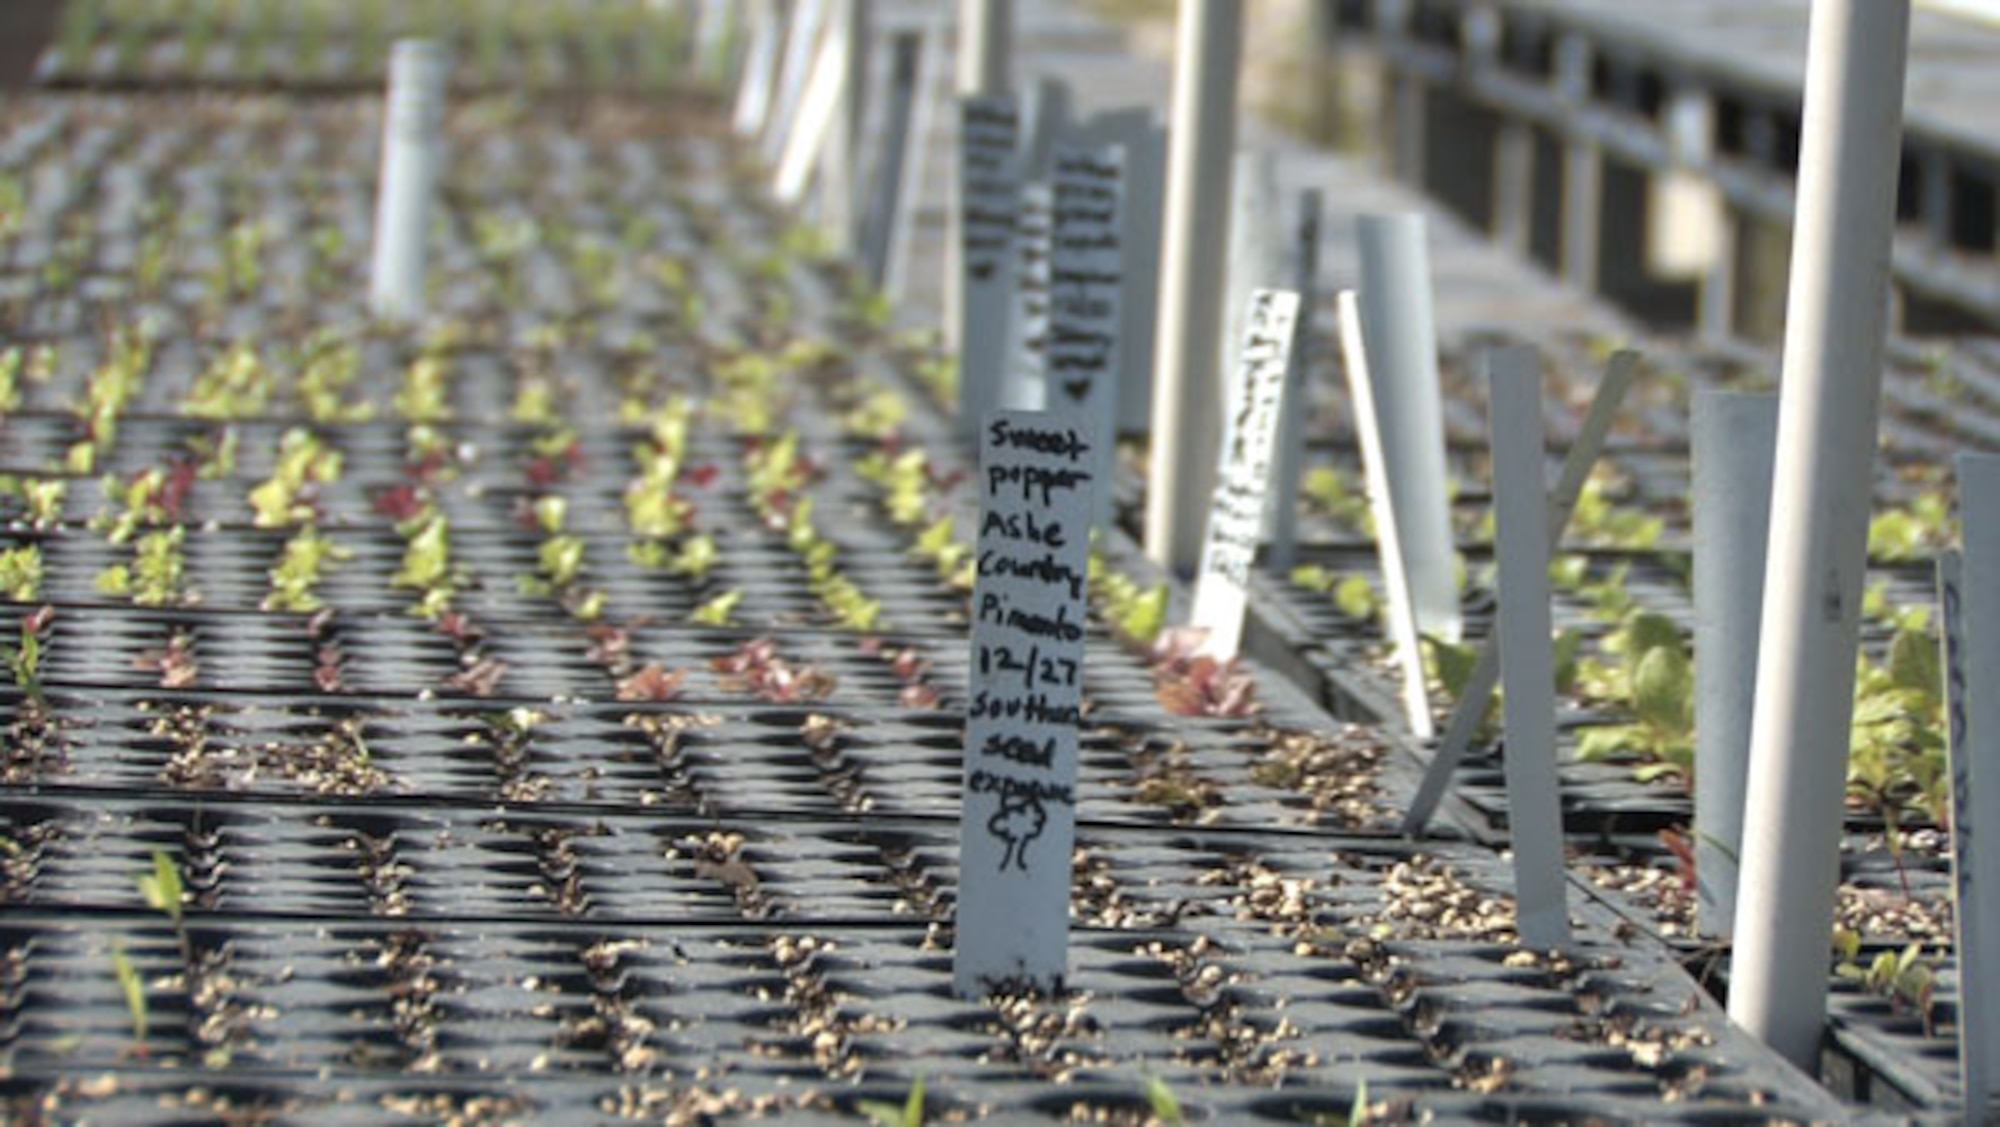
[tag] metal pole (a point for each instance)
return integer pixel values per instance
(985, 47)
(1401, 329)
(1733, 440)
(1820, 503)
(1187, 391)
(412, 128)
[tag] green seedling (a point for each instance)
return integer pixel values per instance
(1907, 978)
(134, 988)
(718, 611)
(909, 1113)
(1166, 1106)
(21, 573)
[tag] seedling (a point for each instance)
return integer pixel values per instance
(1907, 978)
(909, 1113)
(717, 611)
(21, 573)
(1353, 594)
(1135, 614)
(134, 988)
(1655, 681)
(25, 660)
(1166, 1106)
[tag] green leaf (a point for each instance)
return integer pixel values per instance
(162, 887)
(1643, 632)
(1914, 663)
(1663, 689)
(909, 1113)
(717, 611)
(1357, 1112)
(1568, 645)
(1355, 597)
(1166, 1106)
(1609, 742)
(1451, 663)
(134, 988)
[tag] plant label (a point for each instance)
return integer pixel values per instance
(1018, 816)
(901, 166)
(1973, 707)
(989, 199)
(1399, 322)
(760, 65)
(1249, 441)
(814, 121)
(412, 132)
(1280, 518)
(1976, 1049)
(1030, 321)
(1521, 543)
(1087, 284)
(1402, 614)
(802, 43)
(1734, 439)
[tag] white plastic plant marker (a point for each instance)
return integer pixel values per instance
(989, 194)
(1028, 324)
(1470, 708)
(1281, 520)
(1017, 822)
(1139, 136)
(1977, 1065)
(1086, 298)
(1521, 546)
(844, 161)
(760, 69)
(1733, 441)
(412, 158)
(1256, 244)
(1046, 120)
(1401, 328)
(918, 60)
(1404, 633)
(1187, 383)
(1249, 444)
(1973, 696)
(985, 47)
(1836, 319)
(804, 33)
(814, 122)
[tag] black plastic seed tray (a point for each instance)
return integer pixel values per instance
(720, 759)
(1606, 1028)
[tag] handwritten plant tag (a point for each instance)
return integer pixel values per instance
(1030, 321)
(1017, 823)
(1249, 441)
(1086, 298)
(990, 201)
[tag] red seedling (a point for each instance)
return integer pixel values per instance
(399, 502)
(459, 627)
(652, 683)
(481, 679)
